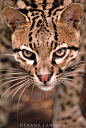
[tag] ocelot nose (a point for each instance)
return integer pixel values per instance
(44, 78)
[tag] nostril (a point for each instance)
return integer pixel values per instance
(44, 78)
(44, 82)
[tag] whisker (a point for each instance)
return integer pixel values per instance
(76, 71)
(81, 52)
(74, 82)
(76, 64)
(7, 54)
(13, 80)
(17, 89)
(20, 97)
(64, 84)
(12, 87)
(75, 75)
(13, 69)
(23, 73)
(14, 73)
(72, 85)
(32, 89)
(46, 94)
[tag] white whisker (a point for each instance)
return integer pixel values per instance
(18, 73)
(75, 74)
(71, 84)
(7, 54)
(12, 87)
(64, 83)
(13, 69)
(18, 88)
(75, 65)
(74, 82)
(81, 53)
(14, 80)
(32, 89)
(20, 97)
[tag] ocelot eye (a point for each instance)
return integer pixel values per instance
(29, 55)
(60, 53)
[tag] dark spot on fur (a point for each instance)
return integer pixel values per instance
(70, 77)
(82, 58)
(3, 71)
(47, 43)
(53, 62)
(30, 46)
(35, 63)
(59, 96)
(55, 45)
(39, 23)
(64, 88)
(74, 120)
(78, 94)
(52, 68)
(63, 118)
(60, 71)
(30, 34)
(29, 72)
(36, 35)
(24, 44)
(30, 39)
(70, 95)
(37, 40)
(35, 68)
(65, 123)
(62, 106)
(68, 103)
(34, 45)
(52, 44)
(69, 117)
(79, 81)
(3, 60)
(23, 60)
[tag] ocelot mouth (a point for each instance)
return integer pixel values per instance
(46, 87)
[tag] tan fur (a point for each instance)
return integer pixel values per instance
(43, 36)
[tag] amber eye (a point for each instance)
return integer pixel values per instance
(29, 55)
(60, 53)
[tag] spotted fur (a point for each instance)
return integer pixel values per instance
(41, 31)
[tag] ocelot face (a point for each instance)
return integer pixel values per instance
(45, 47)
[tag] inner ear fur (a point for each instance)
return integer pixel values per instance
(71, 15)
(14, 17)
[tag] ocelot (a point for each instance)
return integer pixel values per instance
(47, 44)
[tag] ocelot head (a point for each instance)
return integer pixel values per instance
(45, 45)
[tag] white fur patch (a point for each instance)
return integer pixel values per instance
(28, 61)
(58, 61)
(60, 47)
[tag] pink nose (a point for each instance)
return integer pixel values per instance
(44, 78)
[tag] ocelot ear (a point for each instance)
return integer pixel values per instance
(14, 17)
(71, 15)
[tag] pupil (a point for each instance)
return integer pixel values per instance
(59, 51)
(27, 52)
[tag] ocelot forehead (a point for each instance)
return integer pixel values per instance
(43, 32)
(36, 35)
(42, 36)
